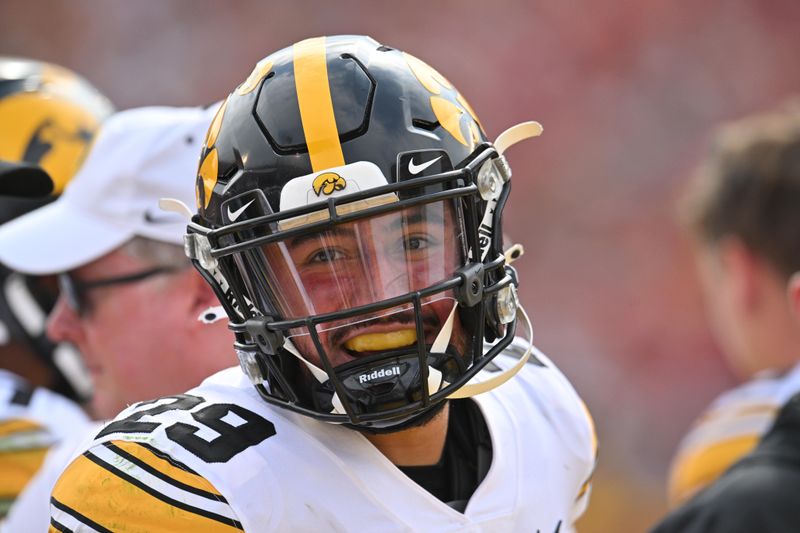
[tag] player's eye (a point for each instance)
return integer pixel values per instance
(415, 242)
(326, 255)
(414, 246)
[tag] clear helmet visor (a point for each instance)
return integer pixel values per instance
(367, 261)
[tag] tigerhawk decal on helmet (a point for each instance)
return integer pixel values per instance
(48, 117)
(349, 220)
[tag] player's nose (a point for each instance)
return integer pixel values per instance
(63, 324)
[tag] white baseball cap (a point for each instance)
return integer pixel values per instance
(140, 156)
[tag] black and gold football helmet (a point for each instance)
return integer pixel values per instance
(348, 217)
(48, 119)
(49, 116)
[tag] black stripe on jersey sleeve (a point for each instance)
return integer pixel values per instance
(163, 497)
(78, 516)
(59, 526)
(161, 455)
(162, 476)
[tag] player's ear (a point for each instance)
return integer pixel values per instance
(794, 295)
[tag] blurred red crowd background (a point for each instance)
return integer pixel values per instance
(628, 93)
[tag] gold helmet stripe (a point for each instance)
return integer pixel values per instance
(316, 106)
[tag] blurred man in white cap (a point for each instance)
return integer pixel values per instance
(129, 300)
(48, 118)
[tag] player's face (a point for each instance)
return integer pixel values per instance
(133, 336)
(364, 262)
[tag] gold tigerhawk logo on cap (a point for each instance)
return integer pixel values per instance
(327, 182)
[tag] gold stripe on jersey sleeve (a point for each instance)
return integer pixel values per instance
(697, 469)
(594, 445)
(316, 105)
(17, 468)
(584, 488)
(165, 467)
(17, 425)
(91, 491)
(592, 427)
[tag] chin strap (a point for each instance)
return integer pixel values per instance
(435, 381)
(318, 373)
(504, 141)
(473, 389)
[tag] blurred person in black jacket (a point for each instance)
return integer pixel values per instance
(739, 467)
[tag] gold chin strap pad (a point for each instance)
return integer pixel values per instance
(515, 134)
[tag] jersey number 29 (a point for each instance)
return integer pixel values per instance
(237, 428)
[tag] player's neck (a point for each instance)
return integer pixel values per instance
(416, 446)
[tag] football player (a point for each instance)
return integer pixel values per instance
(744, 211)
(130, 300)
(349, 220)
(48, 118)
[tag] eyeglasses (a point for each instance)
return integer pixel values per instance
(75, 291)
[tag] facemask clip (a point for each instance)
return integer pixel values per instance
(470, 292)
(268, 341)
(507, 304)
(249, 363)
(197, 247)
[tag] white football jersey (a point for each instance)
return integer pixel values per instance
(31, 421)
(727, 430)
(31, 509)
(219, 458)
